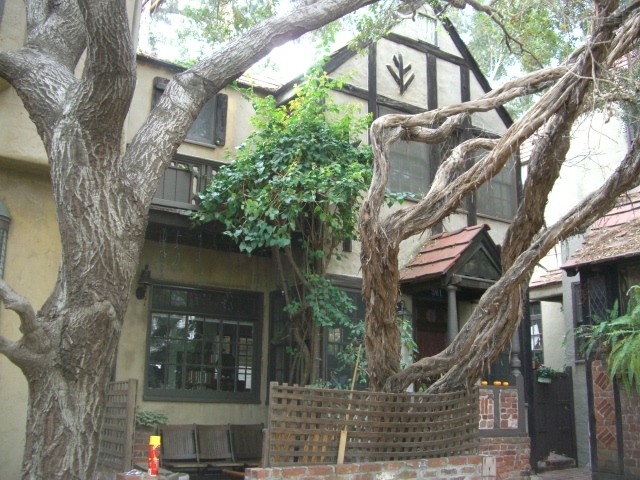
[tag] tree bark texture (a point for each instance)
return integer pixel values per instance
(102, 197)
(495, 319)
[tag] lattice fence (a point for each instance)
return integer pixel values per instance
(305, 425)
(116, 436)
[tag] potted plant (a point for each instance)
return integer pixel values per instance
(150, 419)
(545, 374)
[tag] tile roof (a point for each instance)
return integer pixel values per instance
(549, 277)
(612, 236)
(441, 253)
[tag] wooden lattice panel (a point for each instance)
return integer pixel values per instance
(116, 436)
(305, 425)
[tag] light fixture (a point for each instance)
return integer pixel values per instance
(402, 313)
(5, 221)
(143, 282)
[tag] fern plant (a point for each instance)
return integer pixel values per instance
(620, 336)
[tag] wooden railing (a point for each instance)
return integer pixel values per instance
(183, 181)
(305, 424)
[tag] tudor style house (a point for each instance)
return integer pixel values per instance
(199, 333)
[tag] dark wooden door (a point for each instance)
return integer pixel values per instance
(553, 421)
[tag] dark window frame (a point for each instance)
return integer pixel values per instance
(242, 307)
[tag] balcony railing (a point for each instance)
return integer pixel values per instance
(183, 180)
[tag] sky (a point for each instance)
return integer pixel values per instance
(281, 65)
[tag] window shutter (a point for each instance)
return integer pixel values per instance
(220, 127)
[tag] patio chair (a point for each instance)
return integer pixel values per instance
(214, 447)
(179, 447)
(246, 443)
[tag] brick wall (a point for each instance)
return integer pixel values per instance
(458, 468)
(512, 455)
(487, 414)
(605, 417)
(507, 411)
(630, 411)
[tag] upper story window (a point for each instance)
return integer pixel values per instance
(210, 127)
(203, 345)
(497, 197)
(410, 164)
(427, 29)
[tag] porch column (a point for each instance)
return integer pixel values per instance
(452, 314)
(515, 362)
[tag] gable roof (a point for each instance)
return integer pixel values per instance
(343, 54)
(467, 252)
(613, 236)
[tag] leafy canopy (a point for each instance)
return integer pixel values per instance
(304, 162)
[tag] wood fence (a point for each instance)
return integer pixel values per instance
(116, 436)
(305, 425)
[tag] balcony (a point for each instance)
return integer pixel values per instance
(183, 181)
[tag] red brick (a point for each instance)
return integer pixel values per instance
(293, 472)
(370, 467)
(259, 472)
(437, 462)
(458, 461)
(474, 460)
(392, 465)
(321, 470)
(449, 471)
(348, 468)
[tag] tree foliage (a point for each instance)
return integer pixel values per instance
(295, 185)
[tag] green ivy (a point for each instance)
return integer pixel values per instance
(296, 182)
(304, 160)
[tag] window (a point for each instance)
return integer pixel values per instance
(203, 345)
(535, 314)
(283, 368)
(410, 164)
(427, 29)
(341, 340)
(210, 127)
(629, 276)
(497, 197)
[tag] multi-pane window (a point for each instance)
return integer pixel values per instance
(535, 314)
(342, 342)
(629, 276)
(410, 164)
(337, 341)
(497, 197)
(203, 344)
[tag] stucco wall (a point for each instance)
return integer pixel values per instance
(33, 254)
(195, 267)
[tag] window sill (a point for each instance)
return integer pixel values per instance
(199, 398)
(202, 144)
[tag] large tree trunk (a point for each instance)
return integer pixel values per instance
(102, 198)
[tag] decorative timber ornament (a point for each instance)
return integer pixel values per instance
(402, 71)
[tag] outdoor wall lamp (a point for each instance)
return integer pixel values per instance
(402, 313)
(5, 221)
(143, 282)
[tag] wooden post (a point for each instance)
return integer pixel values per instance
(342, 446)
